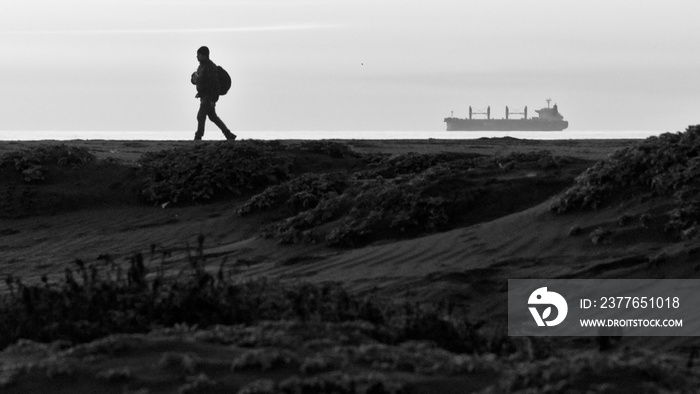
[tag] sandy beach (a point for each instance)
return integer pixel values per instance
(465, 259)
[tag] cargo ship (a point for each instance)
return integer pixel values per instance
(549, 119)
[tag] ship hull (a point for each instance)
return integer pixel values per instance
(460, 124)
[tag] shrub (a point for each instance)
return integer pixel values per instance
(201, 172)
(346, 211)
(667, 166)
(32, 163)
(377, 208)
(663, 165)
(299, 194)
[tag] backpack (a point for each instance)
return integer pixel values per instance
(224, 80)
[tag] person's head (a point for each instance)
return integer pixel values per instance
(202, 53)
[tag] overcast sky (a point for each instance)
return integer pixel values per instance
(348, 65)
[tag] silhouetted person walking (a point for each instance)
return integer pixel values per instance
(207, 80)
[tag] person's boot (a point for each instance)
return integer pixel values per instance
(198, 136)
(229, 135)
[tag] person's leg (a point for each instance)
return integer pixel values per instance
(204, 106)
(220, 124)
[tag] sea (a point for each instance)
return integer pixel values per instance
(328, 135)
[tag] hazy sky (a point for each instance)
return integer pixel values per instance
(348, 65)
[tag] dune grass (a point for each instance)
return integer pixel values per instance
(102, 298)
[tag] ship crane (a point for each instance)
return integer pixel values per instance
(487, 113)
(523, 112)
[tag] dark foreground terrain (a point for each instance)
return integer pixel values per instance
(332, 266)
